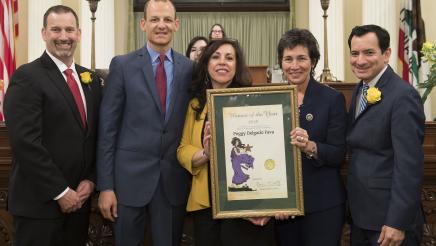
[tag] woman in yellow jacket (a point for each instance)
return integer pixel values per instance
(220, 66)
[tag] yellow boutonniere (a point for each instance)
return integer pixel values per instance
(373, 95)
(86, 77)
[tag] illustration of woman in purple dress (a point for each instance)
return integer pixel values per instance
(240, 160)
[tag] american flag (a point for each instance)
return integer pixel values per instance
(8, 34)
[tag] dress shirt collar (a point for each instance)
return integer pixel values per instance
(61, 65)
(375, 80)
(155, 55)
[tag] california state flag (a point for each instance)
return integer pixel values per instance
(411, 39)
(8, 34)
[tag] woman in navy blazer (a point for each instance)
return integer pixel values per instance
(321, 139)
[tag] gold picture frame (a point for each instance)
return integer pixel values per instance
(255, 171)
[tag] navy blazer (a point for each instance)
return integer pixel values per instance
(137, 144)
(387, 163)
(50, 148)
(322, 184)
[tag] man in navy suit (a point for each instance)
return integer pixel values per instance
(142, 116)
(385, 135)
(51, 110)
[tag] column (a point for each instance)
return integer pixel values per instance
(36, 12)
(383, 13)
(335, 35)
(104, 34)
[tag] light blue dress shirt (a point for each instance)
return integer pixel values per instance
(169, 69)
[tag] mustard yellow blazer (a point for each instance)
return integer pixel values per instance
(190, 143)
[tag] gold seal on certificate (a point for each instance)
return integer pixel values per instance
(270, 164)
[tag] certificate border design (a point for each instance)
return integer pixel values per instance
(287, 91)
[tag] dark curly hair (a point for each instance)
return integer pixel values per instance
(192, 42)
(201, 81)
(240, 144)
(303, 37)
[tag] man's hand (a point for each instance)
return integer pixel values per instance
(107, 202)
(390, 236)
(85, 189)
(70, 202)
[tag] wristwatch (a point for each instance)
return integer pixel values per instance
(311, 153)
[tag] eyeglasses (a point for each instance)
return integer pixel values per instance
(217, 31)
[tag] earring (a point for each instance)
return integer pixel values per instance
(206, 80)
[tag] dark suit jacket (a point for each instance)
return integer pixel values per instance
(50, 148)
(137, 145)
(386, 168)
(322, 184)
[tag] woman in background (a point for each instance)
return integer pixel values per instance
(217, 32)
(195, 47)
(321, 140)
(220, 66)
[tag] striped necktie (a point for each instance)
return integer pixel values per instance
(363, 101)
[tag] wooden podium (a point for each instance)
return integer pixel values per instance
(258, 74)
(100, 231)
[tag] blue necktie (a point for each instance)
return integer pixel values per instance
(363, 101)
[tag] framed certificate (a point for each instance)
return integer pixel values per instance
(255, 171)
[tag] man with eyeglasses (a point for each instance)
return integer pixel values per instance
(142, 116)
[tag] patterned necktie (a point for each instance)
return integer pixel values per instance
(161, 82)
(74, 88)
(363, 101)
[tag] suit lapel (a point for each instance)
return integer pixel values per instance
(305, 108)
(87, 91)
(174, 86)
(384, 79)
(353, 105)
(147, 70)
(58, 80)
(368, 106)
